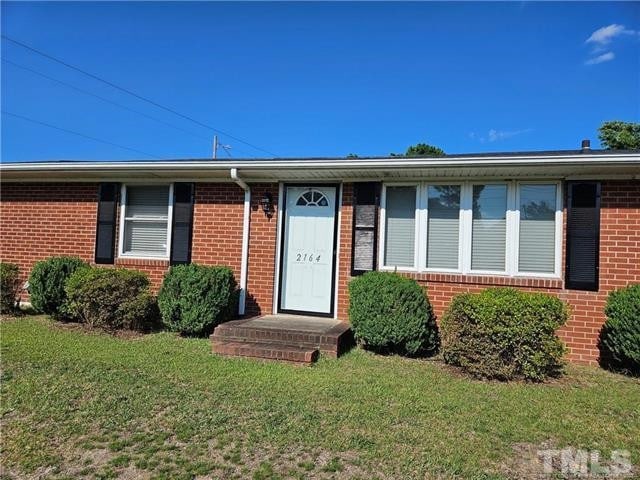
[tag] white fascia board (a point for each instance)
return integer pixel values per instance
(107, 168)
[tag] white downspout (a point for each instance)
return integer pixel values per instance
(245, 239)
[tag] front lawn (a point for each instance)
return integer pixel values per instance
(78, 404)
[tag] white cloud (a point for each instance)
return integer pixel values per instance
(605, 57)
(601, 40)
(604, 35)
(494, 135)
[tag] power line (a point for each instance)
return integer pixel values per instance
(38, 122)
(140, 97)
(106, 100)
(77, 89)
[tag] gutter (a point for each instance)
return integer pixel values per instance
(245, 239)
(333, 164)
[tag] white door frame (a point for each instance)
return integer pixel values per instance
(282, 203)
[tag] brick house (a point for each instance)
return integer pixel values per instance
(296, 230)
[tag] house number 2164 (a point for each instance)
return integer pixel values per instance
(307, 257)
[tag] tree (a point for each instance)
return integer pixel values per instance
(617, 135)
(421, 150)
(352, 155)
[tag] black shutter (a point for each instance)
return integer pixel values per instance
(182, 227)
(364, 243)
(583, 236)
(106, 224)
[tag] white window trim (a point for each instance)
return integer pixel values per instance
(558, 231)
(123, 217)
(425, 217)
(466, 222)
(508, 232)
(383, 226)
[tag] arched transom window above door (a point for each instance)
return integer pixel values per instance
(312, 198)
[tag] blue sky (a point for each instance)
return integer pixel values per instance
(317, 79)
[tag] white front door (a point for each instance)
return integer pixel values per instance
(307, 258)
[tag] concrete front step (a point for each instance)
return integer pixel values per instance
(280, 338)
(331, 337)
(267, 351)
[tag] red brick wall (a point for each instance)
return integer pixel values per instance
(619, 266)
(344, 260)
(43, 220)
(262, 251)
(217, 232)
(40, 220)
(217, 225)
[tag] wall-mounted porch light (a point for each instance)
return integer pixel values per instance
(266, 202)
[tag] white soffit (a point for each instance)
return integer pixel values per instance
(625, 165)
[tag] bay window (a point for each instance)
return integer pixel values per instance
(503, 228)
(145, 221)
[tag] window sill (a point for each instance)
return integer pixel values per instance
(485, 279)
(142, 261)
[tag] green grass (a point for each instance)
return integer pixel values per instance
(90, 404)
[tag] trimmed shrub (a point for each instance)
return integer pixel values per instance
(391, 314)
(504, 334)
(111, 298)
(9, 287)
(194, 299)
(620, 336)
(47, 284)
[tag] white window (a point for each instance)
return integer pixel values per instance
(145, 222)
(489, 227)
(443, 226)
(400, 226)
(537, 228)
(502, 228)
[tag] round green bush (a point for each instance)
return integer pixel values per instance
(391, 314)
(504, 334)
(194, 299)
(111, 298)
(47, 282)
(620, 336)
(9, 287)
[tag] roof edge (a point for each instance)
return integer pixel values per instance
(370, 162)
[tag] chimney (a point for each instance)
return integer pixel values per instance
(586, 145)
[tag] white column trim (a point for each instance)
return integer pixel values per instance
(170, 222)
(244, 260)
(276, 273)
(512, 217)
(123, 206)
(336, 266)
(246, 225)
